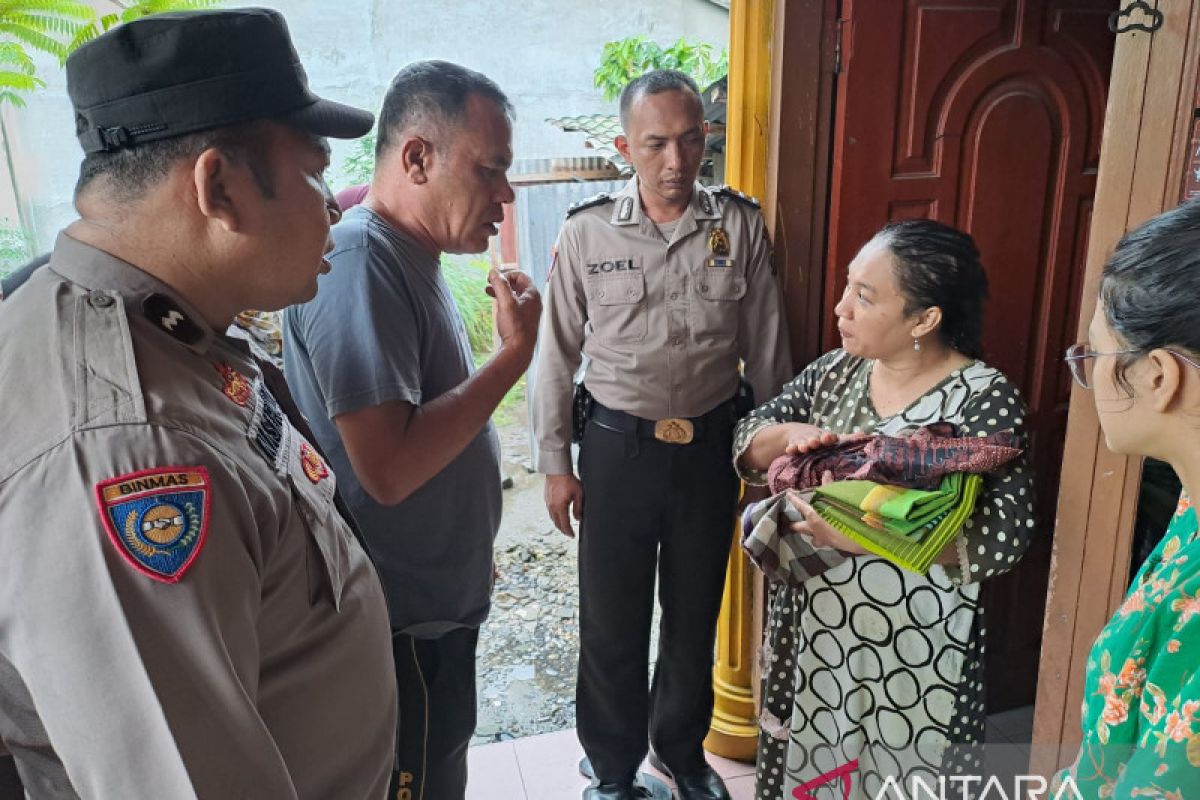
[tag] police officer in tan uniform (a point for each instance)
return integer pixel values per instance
(664, 287)
(184, 612)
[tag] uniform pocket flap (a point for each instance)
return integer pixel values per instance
(313, 489)
(616, 291)
(721, 284)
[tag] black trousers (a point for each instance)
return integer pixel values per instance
(650, 507)
(10, 781)
(436, 679)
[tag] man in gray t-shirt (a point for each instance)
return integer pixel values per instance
(380, 364)
(385, 329)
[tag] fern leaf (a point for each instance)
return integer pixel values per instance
(12, 98)
(61, 8)
(32, 38)
(19, 81)
(82, 36)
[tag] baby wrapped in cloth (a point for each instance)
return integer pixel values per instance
(900, 497)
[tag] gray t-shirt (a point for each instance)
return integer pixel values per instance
(384, 327)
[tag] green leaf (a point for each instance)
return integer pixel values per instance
(467, 281)
(359, 165)
(58, 28)
(16, 245)
(19, 81)
(32, 38)
(82, 36)
(622, 60)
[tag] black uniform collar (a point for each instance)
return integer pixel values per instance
(142, 293)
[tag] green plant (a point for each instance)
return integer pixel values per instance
(625, 59)
(359, 165)
(58, 27)
(137, 9)
(16, 247)
(44, 26)
(468, 281)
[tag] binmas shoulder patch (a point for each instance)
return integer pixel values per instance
(157, 518)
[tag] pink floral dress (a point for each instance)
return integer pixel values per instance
(1141, 727)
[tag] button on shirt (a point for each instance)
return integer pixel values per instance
(663, 322)
(264, 667)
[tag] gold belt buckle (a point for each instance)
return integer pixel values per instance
(674, 430)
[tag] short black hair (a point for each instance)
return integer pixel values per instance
(130, 171)
(1149, 286)
(433, 93)
(937, 265)
(654, 82)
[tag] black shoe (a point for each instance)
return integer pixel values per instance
(703, 785)
(643, 787)
(609, 791)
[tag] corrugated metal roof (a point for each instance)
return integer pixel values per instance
(599, 131)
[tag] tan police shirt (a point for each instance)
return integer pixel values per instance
(663, 324)
(183, 612)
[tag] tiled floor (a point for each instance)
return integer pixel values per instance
(546, 767)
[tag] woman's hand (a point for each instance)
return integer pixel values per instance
(807, 438)
(815, 438)
(783, 438)
(820, 532)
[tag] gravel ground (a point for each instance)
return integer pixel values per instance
(528, 647)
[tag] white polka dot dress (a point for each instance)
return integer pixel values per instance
(869, 661)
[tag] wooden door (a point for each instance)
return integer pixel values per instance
(987, 115)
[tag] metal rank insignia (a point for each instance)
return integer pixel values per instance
(157, 518)
(625, 210)
(718, 242)
(166, 314)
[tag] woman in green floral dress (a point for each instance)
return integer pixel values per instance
(1141, 704)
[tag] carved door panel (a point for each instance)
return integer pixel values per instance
(987, 115)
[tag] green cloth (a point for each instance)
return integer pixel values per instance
(1141, 695)
(908, 527)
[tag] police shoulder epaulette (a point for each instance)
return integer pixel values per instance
(726, 191)
(594, 200)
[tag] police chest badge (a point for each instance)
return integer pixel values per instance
(718, 242)
(718, 245)
(157, 519)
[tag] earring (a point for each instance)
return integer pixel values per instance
(916, 344)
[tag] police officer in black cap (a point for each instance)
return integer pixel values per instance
(184, 612)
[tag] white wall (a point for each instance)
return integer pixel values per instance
(542, 54)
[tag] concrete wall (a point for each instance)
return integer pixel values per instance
(542, 54)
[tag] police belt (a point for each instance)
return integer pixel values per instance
(673, 430)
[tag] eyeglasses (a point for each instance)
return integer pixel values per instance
(1078, 356)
